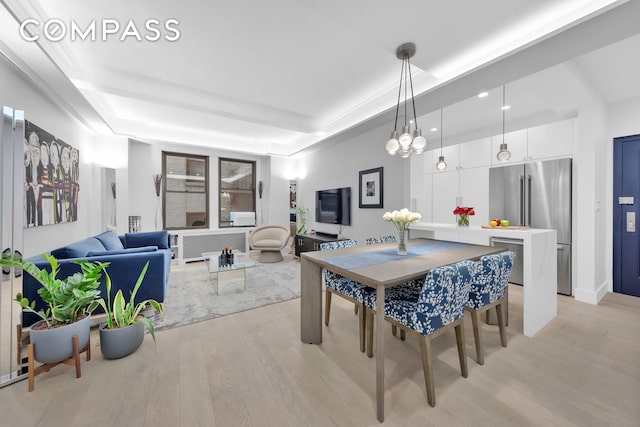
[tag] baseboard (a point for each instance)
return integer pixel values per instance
(592, 297)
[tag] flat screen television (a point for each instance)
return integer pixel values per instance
(334, 206)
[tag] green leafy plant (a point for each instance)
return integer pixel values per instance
(67, 299)
(121, 313)
(302, 216)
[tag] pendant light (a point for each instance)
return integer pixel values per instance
(441, 165)
(409, 142)
(504, 153)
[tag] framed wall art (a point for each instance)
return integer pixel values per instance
(371, 188)
(51, 178)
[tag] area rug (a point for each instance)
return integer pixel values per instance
(191, 292)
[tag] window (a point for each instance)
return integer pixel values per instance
(237, 188)
(186, 191)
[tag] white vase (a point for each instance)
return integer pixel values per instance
(158, 214)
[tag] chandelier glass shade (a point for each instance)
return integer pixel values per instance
(410, 141)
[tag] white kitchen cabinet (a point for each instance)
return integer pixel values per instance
(445, 193)
(428, 164)
(475, 153)
(516, 143)
(550, 140)
(416, 172)
(424, 204)
(474, 190)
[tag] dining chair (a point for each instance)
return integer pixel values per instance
(346, 288)
(376, 241)
(382, 239)
(488, 290)
(431, 311)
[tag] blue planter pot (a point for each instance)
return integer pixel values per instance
(56, 344)
(120, 342)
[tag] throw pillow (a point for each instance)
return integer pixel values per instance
(78, 249)
(110, 240)
(149, 238)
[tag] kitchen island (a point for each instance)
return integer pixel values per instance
(540, 299)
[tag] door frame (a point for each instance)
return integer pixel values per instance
(617, 208)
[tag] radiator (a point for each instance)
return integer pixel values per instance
(243, 218)
(194, 245)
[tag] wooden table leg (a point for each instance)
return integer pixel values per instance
(310, 302)
(380, 353)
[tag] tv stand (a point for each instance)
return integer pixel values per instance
(311, 242)
(328, 235)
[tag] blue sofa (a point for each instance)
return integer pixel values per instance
(127, 254)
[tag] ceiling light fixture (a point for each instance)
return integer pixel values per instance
(441, 165)
(409, 142)
(504, 153)
(483, 94)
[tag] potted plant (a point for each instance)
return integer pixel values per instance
(69, 303)
(302, 216)
(123, 331)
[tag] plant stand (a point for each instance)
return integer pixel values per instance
(74, 360)
(21, 337)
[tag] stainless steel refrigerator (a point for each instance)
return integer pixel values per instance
(536, 194)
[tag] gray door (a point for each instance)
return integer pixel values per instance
(626, 238)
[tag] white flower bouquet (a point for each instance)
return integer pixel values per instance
(402, 219)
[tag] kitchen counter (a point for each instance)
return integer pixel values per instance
(540, 299)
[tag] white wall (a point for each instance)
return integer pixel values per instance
(145, 160)
(624, 120)
(19, 93)
(277, 193)
(338, 166)
(599, 125)
(588, 169)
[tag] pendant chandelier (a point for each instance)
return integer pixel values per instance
(504, 153)
(441, 165)
(409, 142)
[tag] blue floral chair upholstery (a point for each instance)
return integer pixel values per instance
(407, 291)
(438, 306)
(346, 288)
(488, 290)
(381, 239)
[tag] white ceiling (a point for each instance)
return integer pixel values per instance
(278, 76)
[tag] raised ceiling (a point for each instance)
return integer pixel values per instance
(276, 77)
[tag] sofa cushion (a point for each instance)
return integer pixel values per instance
(149, 238)
(78, 249)
(123, 251)
(110, 240)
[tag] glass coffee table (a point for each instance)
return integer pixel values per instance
(230, 278)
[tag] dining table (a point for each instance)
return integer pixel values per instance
(380, 267)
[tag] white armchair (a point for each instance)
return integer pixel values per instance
(270, 240)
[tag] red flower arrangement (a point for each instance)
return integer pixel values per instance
(462, 210)
(463, 213)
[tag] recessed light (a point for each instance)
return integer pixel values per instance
(505, 107)
(483, 94)
(434, 129)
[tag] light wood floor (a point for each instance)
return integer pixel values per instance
(250, 369)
